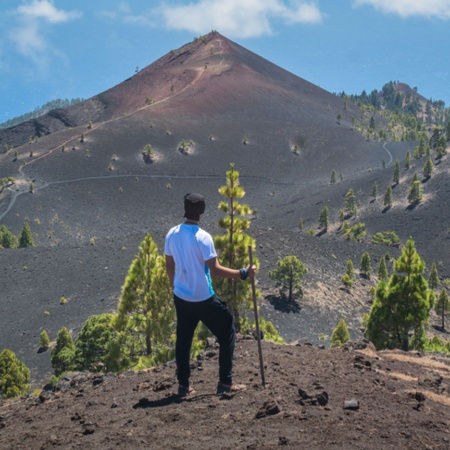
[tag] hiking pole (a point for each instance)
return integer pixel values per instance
(255, 308)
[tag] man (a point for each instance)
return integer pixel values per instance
(191, 259)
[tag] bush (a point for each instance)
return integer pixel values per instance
(356, 232)
(14, 375)
(340, 334)
(386, 238)
(44, 340)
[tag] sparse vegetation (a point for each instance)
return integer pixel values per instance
(185, 147)
(349, 275)
(386, 238)
(148, 154)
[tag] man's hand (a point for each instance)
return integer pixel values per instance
(251, 270)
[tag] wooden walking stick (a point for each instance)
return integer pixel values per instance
(255, 308)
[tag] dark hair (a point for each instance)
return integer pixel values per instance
(194, 206)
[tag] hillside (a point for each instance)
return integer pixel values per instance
(349, 398)
(95, 197)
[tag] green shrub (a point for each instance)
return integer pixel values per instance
(340, 334)
(386, 238)
(14, 375)
(356, 232)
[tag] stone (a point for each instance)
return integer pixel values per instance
(351, 404)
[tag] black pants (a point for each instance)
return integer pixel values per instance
(216, 316)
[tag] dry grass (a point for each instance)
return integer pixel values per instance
(428, 362)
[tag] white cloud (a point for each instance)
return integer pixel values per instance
(238, 18)
(44, 9)
(33, 22)
(408, 8)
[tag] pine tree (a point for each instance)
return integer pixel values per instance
(396, 177)
(402, 305)
(93, 343)
(232, 247)
(382, 270)
(341, 216)
(14, 375)
(442, 306)
(145, 312)
(324, 218)
(388, 197)
(428, 168)
(44, 340)
(433, 280)
(350, 202)
(415, 193)
(7, 239)
(288, 276)
(63, 353)
(364, 265)
(374, 192)
(408, 160)
(300, 224)
(349, 275)
(340, 334)
(26, 237)
(333, 177)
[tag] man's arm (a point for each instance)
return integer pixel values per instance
(170, 268)
(219, 271)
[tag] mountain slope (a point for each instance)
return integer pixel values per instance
(95, 197)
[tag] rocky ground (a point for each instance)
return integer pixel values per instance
(348, 398)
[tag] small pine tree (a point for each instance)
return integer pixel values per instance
(408, 160)
(62, 354)
(340, 334)
(388, 197)
(396, 177)
(288, 276)
(350, 202)
(26, 237)
(415, 193)
(382, 270)
(428, 168)
(402, 305)
(324, 218)
(145, 313)
(44, 340)
(442, 306)
(374, 192)
(7, 239)
(383, 164)
(433, 280)
(300, 224)
(341, 216)
(365, 266)
(333, 177)
(232, 246)
(93, 344)
(14, 375)
(349, 275)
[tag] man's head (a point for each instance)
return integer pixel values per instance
(194, 206)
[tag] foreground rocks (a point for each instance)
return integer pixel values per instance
(315, 399)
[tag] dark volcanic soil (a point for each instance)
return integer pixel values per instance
(313, 399)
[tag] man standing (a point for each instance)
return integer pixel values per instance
(191, 259)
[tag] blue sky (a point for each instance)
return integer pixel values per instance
(64, 49)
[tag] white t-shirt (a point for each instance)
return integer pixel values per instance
(190, 247)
